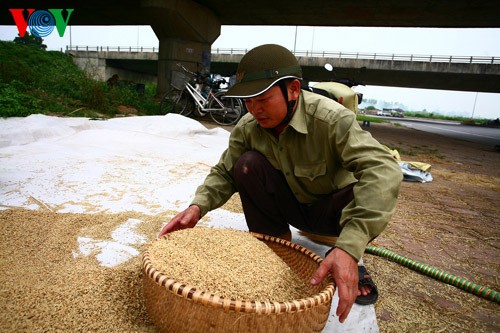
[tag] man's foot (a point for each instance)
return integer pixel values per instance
(368, 289)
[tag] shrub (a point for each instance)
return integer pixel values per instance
(15, 102)
(36, 81)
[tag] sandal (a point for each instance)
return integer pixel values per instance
(366, 280)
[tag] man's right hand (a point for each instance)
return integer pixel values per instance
(185, 219)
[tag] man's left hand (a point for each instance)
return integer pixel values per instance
(344, 270)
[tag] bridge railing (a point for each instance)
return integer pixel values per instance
(320, 54)
(380, 56)
(112, 48)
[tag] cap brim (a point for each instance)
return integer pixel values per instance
(252, 88)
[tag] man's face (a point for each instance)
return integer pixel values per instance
(268, 108)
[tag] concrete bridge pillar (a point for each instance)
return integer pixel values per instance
(186, 31)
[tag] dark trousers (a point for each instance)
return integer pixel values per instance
(270, 206)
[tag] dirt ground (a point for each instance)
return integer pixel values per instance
(450, 223)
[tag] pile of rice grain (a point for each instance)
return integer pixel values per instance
(227, 262)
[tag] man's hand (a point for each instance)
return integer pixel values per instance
(185, 219)
(344, 270)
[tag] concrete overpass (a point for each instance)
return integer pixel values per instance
(412, 71)
(187, 28)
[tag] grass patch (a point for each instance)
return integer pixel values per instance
(362, 117)
(437, 116)
(33, 80)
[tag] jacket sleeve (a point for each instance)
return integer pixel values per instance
(219, 186)
(375, 194)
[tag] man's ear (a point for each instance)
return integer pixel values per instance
(294, 90)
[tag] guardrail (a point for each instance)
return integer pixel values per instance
(320, 54)
(381, 56)
(112, 48)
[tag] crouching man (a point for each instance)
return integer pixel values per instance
(298, 158)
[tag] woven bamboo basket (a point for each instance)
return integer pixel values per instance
(176, 307)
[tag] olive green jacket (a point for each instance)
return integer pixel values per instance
(321, 150)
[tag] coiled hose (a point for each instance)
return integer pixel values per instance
(437, 274)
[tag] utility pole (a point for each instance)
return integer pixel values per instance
(312, 41)
(295, 42)
(474, 107)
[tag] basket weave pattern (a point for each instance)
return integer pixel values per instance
(176, 307)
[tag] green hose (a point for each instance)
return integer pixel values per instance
(437, 274)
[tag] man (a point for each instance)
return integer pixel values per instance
(301, 159)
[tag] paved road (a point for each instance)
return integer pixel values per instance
(483, 135)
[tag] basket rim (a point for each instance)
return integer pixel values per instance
(179, 79)
(207, 298)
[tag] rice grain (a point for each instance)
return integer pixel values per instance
(226, 262)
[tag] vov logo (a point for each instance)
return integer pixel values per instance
(41, 22)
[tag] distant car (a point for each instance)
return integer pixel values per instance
(397, 114)
(384, 113)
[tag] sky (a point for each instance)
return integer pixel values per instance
(421, 41)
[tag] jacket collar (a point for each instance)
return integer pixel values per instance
(298, 121)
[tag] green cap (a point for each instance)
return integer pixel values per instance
(261, 68)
